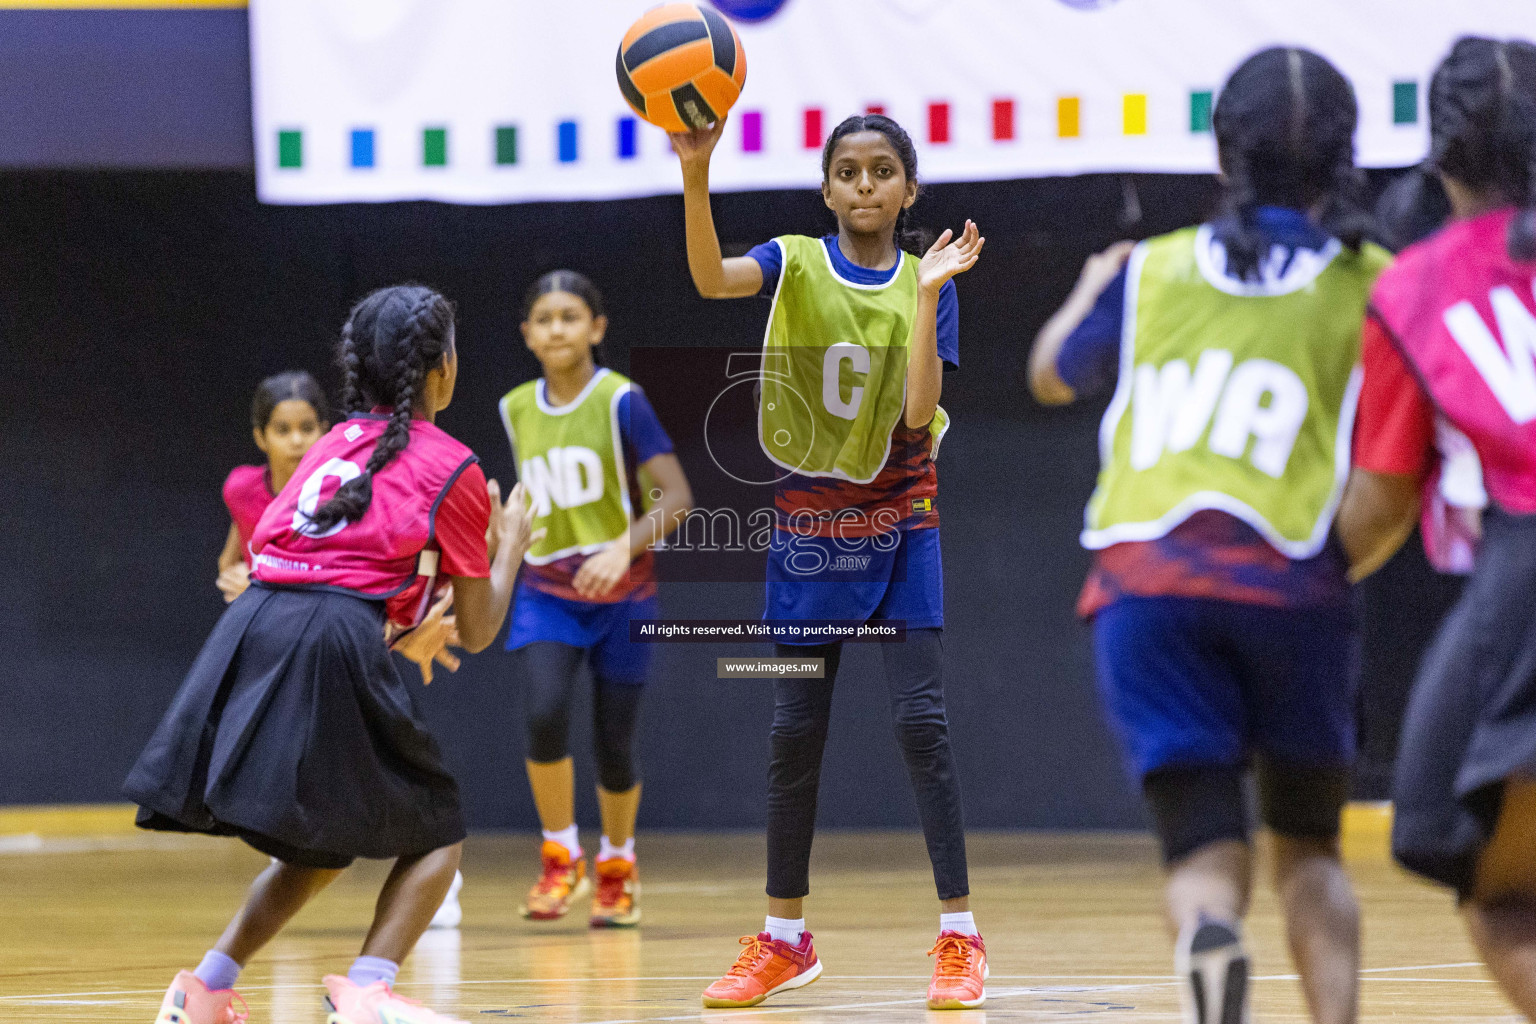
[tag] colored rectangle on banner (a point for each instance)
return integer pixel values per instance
(565, 141)
(813, 128)
(1134, 113)
(1405, 102)
(752, 131)
(1002, 120)
(875, 108)
(1200, 110)
(938, 123)
(362, 147)
(290, 148)
(628, 147)
(1068, 117)
(506, 145)
(434, 147)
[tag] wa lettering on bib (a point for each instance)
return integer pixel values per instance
(1236, 396)
(570, 458)
(834, 378)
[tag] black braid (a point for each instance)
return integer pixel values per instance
(411, 328)
(351, 372)
(1412, 208)
(1285, 132)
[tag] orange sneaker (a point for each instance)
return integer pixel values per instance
(561, 882)
(349, 1003)
(618, 892)
(189, 1001)
(766, 966)
(959, 973)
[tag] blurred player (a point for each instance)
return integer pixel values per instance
(862, 331)
(585, 439)
(288, 414)
(1453, 330)
(1221, 613)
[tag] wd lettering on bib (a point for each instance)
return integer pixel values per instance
(571, 460)
(1235, 396)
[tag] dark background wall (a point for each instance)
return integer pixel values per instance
(139, 307)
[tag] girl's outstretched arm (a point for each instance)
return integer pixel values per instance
(925, 371)
(234, 574)
(1102, 268)
(1378, 512)
(714, 277)
(480, 605)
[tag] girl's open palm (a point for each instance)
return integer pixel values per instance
(945, 258)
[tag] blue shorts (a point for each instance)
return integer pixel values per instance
(824, 578)
(1191, 682)
(601, 629)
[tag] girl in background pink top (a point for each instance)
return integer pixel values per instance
(288, 415)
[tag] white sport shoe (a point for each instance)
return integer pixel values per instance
(450, 913)
(1213, 973)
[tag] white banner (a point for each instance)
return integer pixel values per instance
(497, 101)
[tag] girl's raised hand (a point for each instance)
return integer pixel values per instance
(511, 523)
(693, 148)
(945, 258)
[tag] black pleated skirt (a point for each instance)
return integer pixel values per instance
(294, 731)
(1471, 721)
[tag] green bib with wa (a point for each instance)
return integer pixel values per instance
(1237, 396)
(834, 374)
(570, 460)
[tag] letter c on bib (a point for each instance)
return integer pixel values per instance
(831, 382)
(309, 496)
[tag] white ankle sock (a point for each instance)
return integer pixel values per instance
(368, 969)
(784, 929)
(607, 851)
(964, 923)
(566, 837)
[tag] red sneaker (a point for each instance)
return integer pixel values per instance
(616, 904)
(766, 966)
(959, 973)
(562, 880)
(189, 1001)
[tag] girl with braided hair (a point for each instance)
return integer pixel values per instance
(1220, 604)
(292, 730)
(1452, 335)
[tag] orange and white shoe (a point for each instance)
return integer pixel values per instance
(616, 903)
(189, 1001)
(766, 966)
(349, 1003)
(959, 972)
(561, 882)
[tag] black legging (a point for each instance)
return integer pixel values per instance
(549, 674)
(801, 711)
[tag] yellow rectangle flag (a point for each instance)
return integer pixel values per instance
(1068, 119)
(1135, 111)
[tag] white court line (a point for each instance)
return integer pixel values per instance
(1155, 978)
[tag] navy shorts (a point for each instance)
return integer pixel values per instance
(1190, 682)
(602, 629)
(896, 577)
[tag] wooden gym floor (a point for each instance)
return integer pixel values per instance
(92, 927)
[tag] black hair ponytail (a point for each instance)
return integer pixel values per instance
(392, 338)
(1482, 127)
(1285, 133)
(282, 387)
(912, 239)
(1412, 208)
